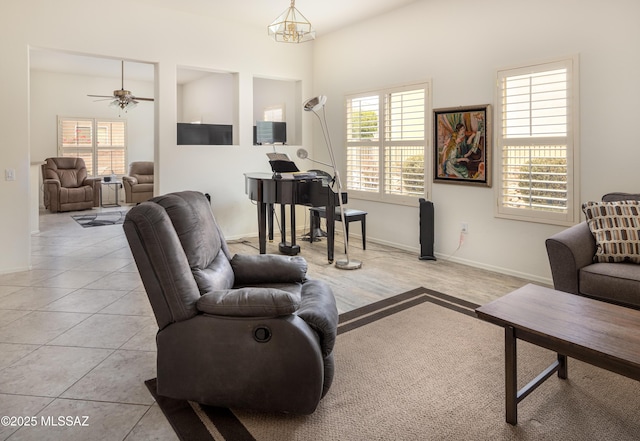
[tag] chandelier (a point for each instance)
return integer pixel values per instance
(291, 27)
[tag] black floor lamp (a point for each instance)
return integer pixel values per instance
(314, 105)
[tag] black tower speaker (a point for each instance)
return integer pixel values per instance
(426, 230)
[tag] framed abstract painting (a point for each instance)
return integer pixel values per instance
(462, 145)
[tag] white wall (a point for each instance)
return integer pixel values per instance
(194, 40)
(459, 46)
(57, 94)
(209, 100)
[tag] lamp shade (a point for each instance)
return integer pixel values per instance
(314, 104)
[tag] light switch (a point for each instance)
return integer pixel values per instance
(9, 174)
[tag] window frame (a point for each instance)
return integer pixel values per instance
(382, 144)
(571, 140)
(94, 148)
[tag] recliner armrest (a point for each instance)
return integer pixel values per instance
(55, 182)
(92, 181)
(568, 251)
(130, 180)
(318, 309)
(268, 268)
(248, 302)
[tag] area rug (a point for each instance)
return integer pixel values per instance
(421, 366)
(100, 219)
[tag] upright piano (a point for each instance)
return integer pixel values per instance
(267, 190)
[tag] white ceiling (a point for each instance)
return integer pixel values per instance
(325, 16)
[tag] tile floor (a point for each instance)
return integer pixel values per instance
(77, 340)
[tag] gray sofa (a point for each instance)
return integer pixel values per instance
(571, 257)
(243, 331)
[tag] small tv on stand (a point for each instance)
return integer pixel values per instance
(270, 132)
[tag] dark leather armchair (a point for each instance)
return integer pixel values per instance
(138, 185)
(571, 257)
(67, 187)
(243, 331)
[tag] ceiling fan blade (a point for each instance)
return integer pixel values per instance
(101, 96)
(143, 99)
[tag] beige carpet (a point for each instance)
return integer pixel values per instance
(421, 367)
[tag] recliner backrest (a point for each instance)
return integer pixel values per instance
(617, 196)
(179, 251)
(142, 171)
(201, 239)
(71, 172)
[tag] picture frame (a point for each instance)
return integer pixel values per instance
(462, 145)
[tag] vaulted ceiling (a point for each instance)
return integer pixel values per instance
(325, 16)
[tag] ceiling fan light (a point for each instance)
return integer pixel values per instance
(291, 27)
(123, 98)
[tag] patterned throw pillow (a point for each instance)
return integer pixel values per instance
(616, 228)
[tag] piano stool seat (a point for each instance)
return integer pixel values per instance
(350, 215)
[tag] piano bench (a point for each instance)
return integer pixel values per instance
(350, 215)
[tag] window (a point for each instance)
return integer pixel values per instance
(537, 142)
(100, 142)
(274, 113)
(386, 144)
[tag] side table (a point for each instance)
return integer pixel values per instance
(116, 185)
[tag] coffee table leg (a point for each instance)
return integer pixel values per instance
(562, 366)
(511, 375)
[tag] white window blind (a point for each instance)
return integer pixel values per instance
(536, 143)
(404, 146)
(101, 143)
(386, 143)
(274, 113)
(363, 143)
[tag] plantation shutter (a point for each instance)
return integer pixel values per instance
(404, 143)
(102, 144)
(75, 139)
(386, 142)
(536, 142)
(110, 150)
(363, 143)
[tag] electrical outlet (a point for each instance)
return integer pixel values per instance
(9, 174)
(464, 227)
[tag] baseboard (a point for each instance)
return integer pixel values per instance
(497, 269)
(16, 270)
(472, 263)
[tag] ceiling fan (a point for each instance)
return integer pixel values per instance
(122, 98)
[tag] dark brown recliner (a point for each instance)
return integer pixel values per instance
(248, 331)
(138, 185)
(67, 187)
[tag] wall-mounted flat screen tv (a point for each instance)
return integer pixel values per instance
(205, 134)
(271, 132)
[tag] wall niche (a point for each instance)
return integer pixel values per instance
(207, 107)
(279, 101)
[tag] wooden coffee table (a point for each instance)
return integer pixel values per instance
(596, 332)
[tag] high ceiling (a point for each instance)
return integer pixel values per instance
(325, 16)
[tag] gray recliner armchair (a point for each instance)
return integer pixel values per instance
(243, 331)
